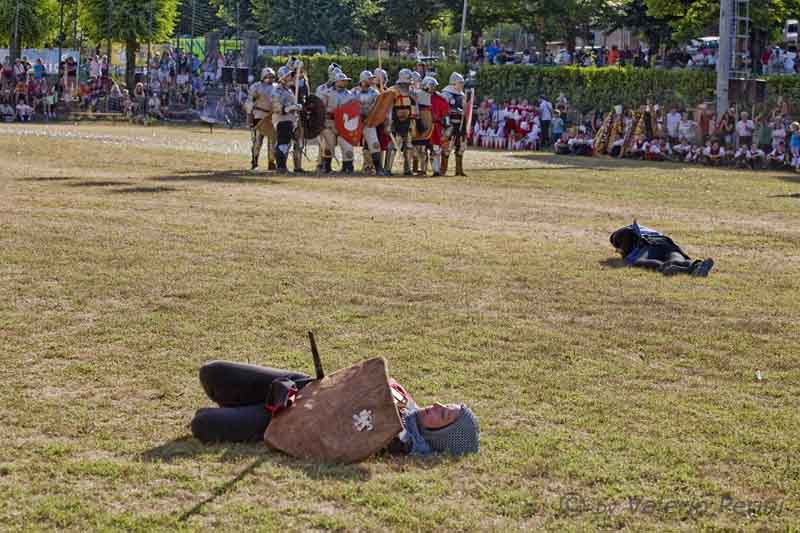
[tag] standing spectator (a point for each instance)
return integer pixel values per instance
(492, 50)
(673, 123)
(557, 126)
(794, 145)
(744, 130)
(38, 70)
(94, 67)
(763, 134)
(687, 129)
(545, 116)
(726, 126)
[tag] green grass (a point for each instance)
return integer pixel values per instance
(131, 256)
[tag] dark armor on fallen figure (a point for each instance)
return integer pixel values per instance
(647, 248)
(344, 417)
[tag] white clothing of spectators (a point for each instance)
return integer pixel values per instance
(673, 122)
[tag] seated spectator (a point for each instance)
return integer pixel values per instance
(616, 147)
(777, 157)
(154, 107)
(655, 150)
(681, 150)
(561, 146)
(7, 113)
(24, 111)
(714, 155)
(755, 157)
(745, 128)
(581, 144)
(638, 148)
(740, 157)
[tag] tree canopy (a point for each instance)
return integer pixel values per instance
(32, 21)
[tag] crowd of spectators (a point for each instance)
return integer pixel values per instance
(25, 91)
(518, 124)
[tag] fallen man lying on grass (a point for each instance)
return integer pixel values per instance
(344, 417)
(647, 248)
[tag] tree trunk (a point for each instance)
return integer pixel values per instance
(131, 47)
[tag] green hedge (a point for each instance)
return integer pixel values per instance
(585, 88)
(317, 67)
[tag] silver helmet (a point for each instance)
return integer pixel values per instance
(365, 76)
(332, 68)
(429, 82)
(381, 74)
(340, 76)
(284, 72)
(404, 76)
(455, 77)
(266, 71)
(416, 77)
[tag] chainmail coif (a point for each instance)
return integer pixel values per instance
(460, 437)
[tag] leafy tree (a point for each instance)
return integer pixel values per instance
(235, 16)
(131, 22)
(634, 15)
(327, 22)
(27, 23)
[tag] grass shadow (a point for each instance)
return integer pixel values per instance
(221, 176)
(145, 190)
(792, 195)
(47, 178)
(613, 262)
(96, 184)
(573, 162)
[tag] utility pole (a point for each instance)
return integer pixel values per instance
(60, 31)
(15, 43)
(110, 10)
(463, 29)
(724, 57)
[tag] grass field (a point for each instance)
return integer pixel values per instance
(609, 398)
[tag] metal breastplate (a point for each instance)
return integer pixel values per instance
(366, 99)
(263, 96)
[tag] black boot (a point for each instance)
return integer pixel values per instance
(253, 163)
(327, 165)
(347, 167)
(376, 162)
(280, 162)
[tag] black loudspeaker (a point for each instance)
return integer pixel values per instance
(227, 74)
(242, 74)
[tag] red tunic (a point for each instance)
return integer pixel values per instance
(439, 110)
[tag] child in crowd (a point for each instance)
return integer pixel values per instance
(655, 150)
(581, 144)
(557, 126)
(638, 148)
(561, 146)
(681, 150)
(714, 155)
(755, 157)
(24, 111)
(777, 157)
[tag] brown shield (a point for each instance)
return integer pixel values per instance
(380, 108)
(424, 125)
(313, 117)
(343, 418)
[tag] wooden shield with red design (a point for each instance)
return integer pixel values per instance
(348, 122)
(343, 418)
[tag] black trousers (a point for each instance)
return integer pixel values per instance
(241, 391)
(664, 257)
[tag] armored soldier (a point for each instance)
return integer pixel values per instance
(320, 93)
(284, 114)
(440, 112)
(367, 94)
(260, 117)
(334, 98)
(401, 123)
(456, 133)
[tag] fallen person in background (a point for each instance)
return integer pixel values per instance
(646, 248)
(249, 396)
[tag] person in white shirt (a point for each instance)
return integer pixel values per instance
(545, 116)
(755, 157)
(740, 156)
(489, 136)
(655, 151)
(744, 130)
(681, 150)
(6, 112)
(777, 157)
(673, 123)
(778, 132)
(638, 148)
(24, 111)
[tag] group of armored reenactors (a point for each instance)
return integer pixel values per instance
(411, 119)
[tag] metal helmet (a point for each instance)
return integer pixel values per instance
(429, 82)
(340, 76)
(365, 76)
(284, 72)
(382, 74)
(332, 68)
(294, 63)
(416, 76)
(404, 76)
(267, 72)
(455, 77)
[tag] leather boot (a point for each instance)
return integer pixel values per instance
(327, 165)
(376, 162)
(445, 159)
(368, 162)
(460, 166)
(347, 167)
(253, 163)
